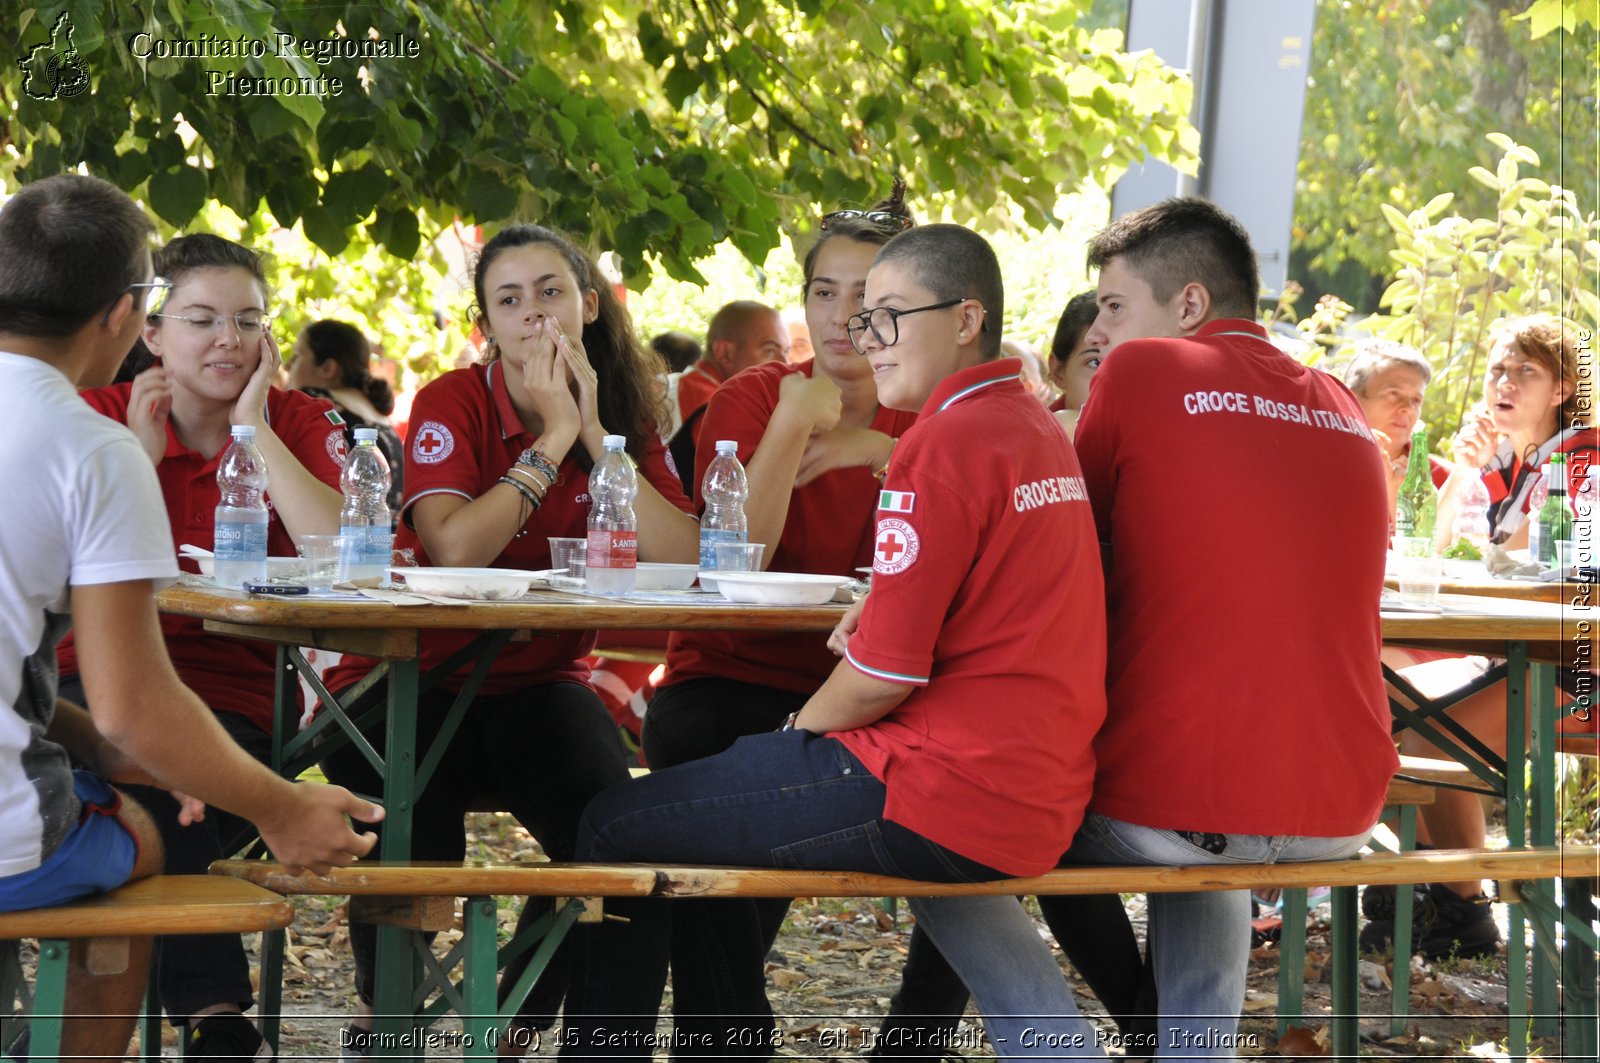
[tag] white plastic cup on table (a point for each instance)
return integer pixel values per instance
(739, 557)
(568, 554)
(321, 554)
(1419, 571)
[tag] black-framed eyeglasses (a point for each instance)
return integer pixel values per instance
(249, 323)
(884, 321)
(881, 218)
(154, 293)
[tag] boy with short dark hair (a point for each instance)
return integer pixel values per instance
(949, 745)
(1223, 474)
(86, 551)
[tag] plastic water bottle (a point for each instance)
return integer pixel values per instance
(367, 537)
(613, 554)
(1472, 515)
(724, 489)
(1538, 492)
(240, 536)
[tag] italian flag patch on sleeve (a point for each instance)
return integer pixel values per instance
(333, 416)
(896, 501)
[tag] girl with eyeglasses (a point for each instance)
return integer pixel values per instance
(215, 363)
(497, 462)
(812, 436)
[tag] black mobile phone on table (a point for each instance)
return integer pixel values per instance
(276, 587)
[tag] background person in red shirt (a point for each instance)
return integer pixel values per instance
(498, 461)
(948, 745)
(217, 361)
(1073, 362)
(812, 437)
(742, 334)
(1205, 641)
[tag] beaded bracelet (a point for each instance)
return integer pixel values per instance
(523, 490)
(540, 463)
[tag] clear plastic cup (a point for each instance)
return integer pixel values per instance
(321, 554)
(568, 555)
(739, 557)
(1419, 571)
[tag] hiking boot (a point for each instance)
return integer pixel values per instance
(1453, 925)
(1378, 904)
(226, 1035)
(1443, 923)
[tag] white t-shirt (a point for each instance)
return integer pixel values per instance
(82, 506)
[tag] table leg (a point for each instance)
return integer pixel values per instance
(1542, 831)
(396, 972)
(1517, 836)
(1346, 1018)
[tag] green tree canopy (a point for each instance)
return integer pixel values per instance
(1401, 95)
(659, 128)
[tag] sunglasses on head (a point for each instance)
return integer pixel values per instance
(881, 218)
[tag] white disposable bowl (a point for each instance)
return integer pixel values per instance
(490, 584)
(655, 576)
(277, 567)
(778, 588)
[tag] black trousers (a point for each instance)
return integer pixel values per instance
(541, 753)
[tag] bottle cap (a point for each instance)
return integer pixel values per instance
(615, 442)
(244, 431)
(728, 446)
(366, 435)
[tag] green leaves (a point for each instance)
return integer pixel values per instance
(177, 195)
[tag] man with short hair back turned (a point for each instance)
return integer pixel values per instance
(86, 550)
(1242, 602)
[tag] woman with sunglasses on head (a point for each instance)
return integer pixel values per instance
(215, 363)
(498, 461)
(812, 437)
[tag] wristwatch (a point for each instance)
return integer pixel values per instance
(788, 724)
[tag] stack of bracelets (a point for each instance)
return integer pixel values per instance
(530, 462)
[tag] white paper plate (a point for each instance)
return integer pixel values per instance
(777, 588)
(657, 576)
(490, 584)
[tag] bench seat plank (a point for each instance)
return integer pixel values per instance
(163, 904)
(648, 880)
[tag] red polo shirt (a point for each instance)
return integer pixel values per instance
(1244, 502)
(465, 434)
(231, 675)
(829, 530)
(695, 388)
(987, 596)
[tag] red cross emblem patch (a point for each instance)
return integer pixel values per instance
(895, 548)
(432, 443)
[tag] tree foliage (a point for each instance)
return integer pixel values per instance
(1403, 91)
(649, 127)
(1455, 275)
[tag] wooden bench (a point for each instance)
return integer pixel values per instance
(162, 904)
(586, 884)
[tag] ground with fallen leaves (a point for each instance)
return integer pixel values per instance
(837, 963)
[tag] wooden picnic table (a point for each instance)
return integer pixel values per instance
(1521, 631)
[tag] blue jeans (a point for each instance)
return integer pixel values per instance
(1200, 942)
(781, 799)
